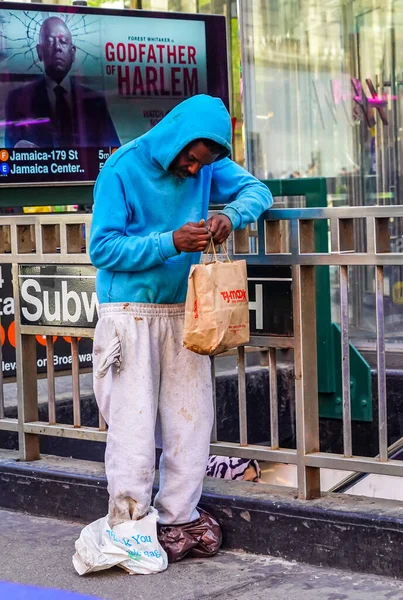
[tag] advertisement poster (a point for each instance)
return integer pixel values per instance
(76, 85)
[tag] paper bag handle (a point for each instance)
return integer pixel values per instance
(211, 251)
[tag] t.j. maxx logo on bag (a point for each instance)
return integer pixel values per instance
(234, 296)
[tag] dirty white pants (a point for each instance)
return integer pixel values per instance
(142, 376)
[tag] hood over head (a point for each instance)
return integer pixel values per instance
(198, 117)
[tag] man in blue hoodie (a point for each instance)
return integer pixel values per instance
(149, 226)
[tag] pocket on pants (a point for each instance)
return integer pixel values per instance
(107, 351)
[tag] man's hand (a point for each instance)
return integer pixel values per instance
(220, 227)
(192, 237)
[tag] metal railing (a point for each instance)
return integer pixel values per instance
(303, 258)
(283, 237)
(40, 240)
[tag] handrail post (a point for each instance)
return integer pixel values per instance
(27, 390)
(306, 370)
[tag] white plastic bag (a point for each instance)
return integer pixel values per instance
(132, 545)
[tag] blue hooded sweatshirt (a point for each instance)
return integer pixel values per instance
(139, 204)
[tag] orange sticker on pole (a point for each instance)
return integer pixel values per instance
(11, 334)
(68, 339)
(41, 339)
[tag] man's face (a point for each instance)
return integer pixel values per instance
(192, 158)
(56, 49)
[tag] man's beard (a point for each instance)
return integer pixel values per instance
(182, 173)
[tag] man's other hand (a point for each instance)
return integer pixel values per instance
(192, 237)
(220, 227)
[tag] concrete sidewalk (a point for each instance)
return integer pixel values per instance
(37, 551)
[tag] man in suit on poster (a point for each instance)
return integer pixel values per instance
(55, 110)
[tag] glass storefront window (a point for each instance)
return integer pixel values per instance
(323, 85)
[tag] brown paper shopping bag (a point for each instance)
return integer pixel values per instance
(216, 312)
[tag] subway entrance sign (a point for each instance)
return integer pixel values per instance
(270, 300)
(52, 295)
